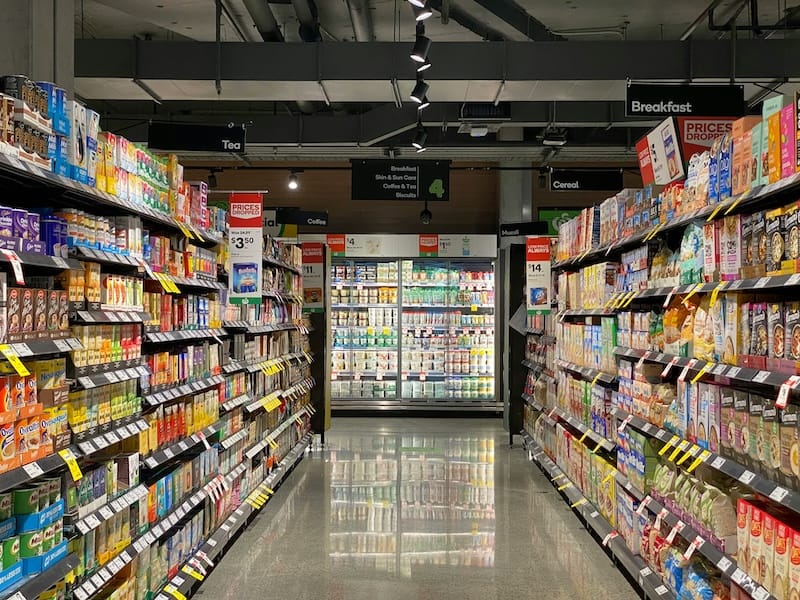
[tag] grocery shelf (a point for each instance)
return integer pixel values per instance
(102, 368)
(41, 181)
(586, 312)
(193, 571)
(369, 349)
(160, 457)
(265, 402)
(269, 439)
(366, 284)
(236, 402)
(375, 305)
(35, 585)
(268, 260)
(192, 282)
(724, 562)
(44, 347)
(172, 393)
(95, 518)
(598, 440)
(588, 373)
(104, 257)
(368, 374)
(43, 261)
(649, 581)
(741, 203)
(88, 382)
(537, 368)
(22, 475)
(743, 375)
(780, 495)
(90, 443)
(184, 334)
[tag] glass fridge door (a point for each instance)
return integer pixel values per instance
(364, 319)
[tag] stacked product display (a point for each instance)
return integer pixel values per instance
(679, 321)
(140, 429)
(417, 331)
(422, 506)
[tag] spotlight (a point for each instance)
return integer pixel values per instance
(420, 51)
(424, 66)
(422, 12)
(419, 91)
(417, 3)
(421, 150)
(294, 182)
(420, 138)
(424, 104)
(426, 216)
(212, 180)
(554, 137)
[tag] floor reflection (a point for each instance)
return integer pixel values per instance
(401, 503)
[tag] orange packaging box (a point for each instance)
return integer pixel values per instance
(742, 149)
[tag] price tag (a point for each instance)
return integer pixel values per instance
(669, 297)
(609, 537)
(191, 572)
(16, 265)
(669, 366)
(112, 437)
(646, 572)
(625, 423)
(33, 470)
(578, 503)
(92, 521)
(778, 494)
(705, 369)
(761, 376)
(704, 455)
(739, 576)
(679, 526)
(697, 543)
(685, 372)
(678, 449)
(786, 387)
(106, 513)
(11, 356)
(174, 592)
(724, 563)
(643, 505)
(733, 372)
(746, 477)
(761, 594)
(80, 594)
(673, 440)
(688, 455)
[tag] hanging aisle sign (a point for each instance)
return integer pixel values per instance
(537, 275)
(246, 248)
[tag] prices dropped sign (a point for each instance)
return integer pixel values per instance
(246, 248)
(537, 275)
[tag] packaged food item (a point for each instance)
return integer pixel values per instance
(789, 445)
(703, 332)
(780, 560)
(791, 225)
(755, 442)
(731, 247)
(775, 243)
(776, 333)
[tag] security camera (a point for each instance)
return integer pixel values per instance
(425, 216)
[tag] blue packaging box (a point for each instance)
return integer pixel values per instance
(37, 564)
(40, 519)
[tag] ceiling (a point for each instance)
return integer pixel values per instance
(127, 99)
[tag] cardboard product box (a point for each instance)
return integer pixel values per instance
(791, 232)
(693, 405)
(768, 550)
(714, 417)
(742, 132)
(770, 440)
(791, 321)
(713, 242)
(771, 139)
(733, 342)
(794, 562)
(789, 446)
(788, 141)
(741, 435)
(756, 569)
(731, 247)
(725, 167)
(744, 512)
(780, 561)
(755, 442)
(776, 245)
(78, 150)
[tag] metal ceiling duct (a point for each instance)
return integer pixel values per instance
(265, 21)
(361, 18)
(308, 16)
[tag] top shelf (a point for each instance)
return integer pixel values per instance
(33, 178)
(736, 204)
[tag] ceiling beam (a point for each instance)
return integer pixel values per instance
(755, 60)
(513, 14)
(463, 18)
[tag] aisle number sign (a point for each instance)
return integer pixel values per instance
(537, 275)
(313, 277)
(246, 248)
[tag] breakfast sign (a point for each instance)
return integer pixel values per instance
(246, 248)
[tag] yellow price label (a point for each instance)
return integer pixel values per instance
(688, 455)
(715, 212)
(584, 436)
(695, 289)
(715, 294)
(174, 592)
(608, 477)
(72, 463)
(185, 230)
(70, 577)
(565, 486)
(269, 490)
(597, 447)
(559, 476)
(734, 205)
(273, 444)
(192, 573)
(631, 299)
(596, 378)
(678, 449)
(699, 460)
(668, 445)
(610, 300)
(706, 368)
(164, 284)
(580, 502)
(263, 498)
(473, 307)
(13, 359)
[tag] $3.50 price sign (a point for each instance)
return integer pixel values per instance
(537, 275)
(246, 247)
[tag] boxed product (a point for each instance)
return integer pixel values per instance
(775, 241)
(771, 139)
(741, 435)
(78, 151)
(791, 229)
(742, 150)
(788, 141)
(781, 560)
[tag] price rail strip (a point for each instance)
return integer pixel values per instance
(36, 348)
(588, 373)
(163, 456)
(184, 389)
(278, 263)
(766, 487)
(724, 562)
(32, 587)
(88, 382)
(160, 337)
(102, 369)
(297, 389)
(269, 438)
(234, 403)
(185, 583)
(110, 316)
(649, 581)
(120, 432)
(104, 256)
(574, 423)
(743, 375)
(95, 518)
(742, 201)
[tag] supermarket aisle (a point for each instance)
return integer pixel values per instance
(334, 530)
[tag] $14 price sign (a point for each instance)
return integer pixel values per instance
(537, 275)
(246, 247)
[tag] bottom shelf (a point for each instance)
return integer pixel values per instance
(194, 570)
(427, 404)
(648, 581)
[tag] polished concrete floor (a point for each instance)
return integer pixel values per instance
(420, 509)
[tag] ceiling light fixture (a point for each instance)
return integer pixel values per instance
(294, 181)
(417, 3)
(420, 91)
(422, 12)
(212, 179)
(426, 216)
(421, 45)
(424, 104)
(554, 137)
(420, 137)
(424, 66)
